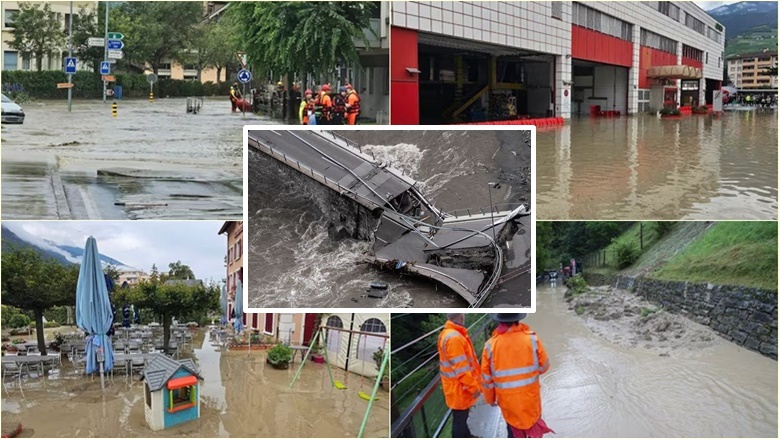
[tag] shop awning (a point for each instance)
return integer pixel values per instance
(674, 72)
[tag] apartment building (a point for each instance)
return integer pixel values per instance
(750, 70)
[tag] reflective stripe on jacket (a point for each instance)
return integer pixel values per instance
(512, 362)
(459, 367)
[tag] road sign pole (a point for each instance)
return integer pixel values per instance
(243, 107)
(105, 50)
(70, 55)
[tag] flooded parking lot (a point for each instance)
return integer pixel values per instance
(241, 396)
(641, 167)
(152, 161)
(600, 387)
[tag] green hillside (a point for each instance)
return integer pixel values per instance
(755, 39)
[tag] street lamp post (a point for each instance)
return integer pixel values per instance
(492, 186)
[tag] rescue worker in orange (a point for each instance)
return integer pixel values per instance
(322, 105)
(307, 107)
(339, 107)
(460, 373)
(353, 105)
(513, 361)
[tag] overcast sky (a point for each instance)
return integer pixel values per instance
(139, 244)
(712, 5)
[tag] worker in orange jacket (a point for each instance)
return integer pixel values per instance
(460, 375)
(353, 105)
(512, 362)
(323, 105)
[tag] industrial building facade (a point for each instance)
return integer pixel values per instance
(469, 61)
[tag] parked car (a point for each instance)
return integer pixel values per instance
(12, 113)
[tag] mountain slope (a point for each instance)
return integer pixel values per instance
(64, 254)
(741, 17)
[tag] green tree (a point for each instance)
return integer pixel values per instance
(170, 299)
(155, 32)
(37, 32)
(221, 45)
(177, 270)
(33, 282)
(772, 71)
(294, 39)
(544, 236)
(154, 276)
(86, 24)
(112, 272)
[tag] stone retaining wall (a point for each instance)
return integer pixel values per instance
(745, 316)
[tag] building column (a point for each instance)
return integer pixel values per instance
(702, 90)
(679, 81)
(563, 82)
(633, 73)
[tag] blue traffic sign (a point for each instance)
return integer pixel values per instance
(70, 65)
(244, 76)
(105, 68)
(115, 44)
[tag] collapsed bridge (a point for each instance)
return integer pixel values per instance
(370, 200)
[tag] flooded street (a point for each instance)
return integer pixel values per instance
(152, 161)
(641, 167)
(294, 263)
(240, 397)
(596, 388)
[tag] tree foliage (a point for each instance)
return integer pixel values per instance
(86, 24)
(177, 270)
(301, 37)
(155, 32)
(37, 31)
(33, 282)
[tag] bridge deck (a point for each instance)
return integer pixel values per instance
(334, 161)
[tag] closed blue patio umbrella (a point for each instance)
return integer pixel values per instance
(93, 311)
(223, 305)
(238, 307)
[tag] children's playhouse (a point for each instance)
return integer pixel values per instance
(172, 390)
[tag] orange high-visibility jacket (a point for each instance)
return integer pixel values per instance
(459, 367)
(511, 365)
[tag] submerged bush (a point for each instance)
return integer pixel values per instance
(577, 284)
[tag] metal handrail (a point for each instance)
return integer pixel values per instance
(406, 417)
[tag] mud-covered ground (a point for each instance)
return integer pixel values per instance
(626, 319)
(240, 396)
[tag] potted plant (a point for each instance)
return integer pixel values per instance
(317, 353)
(279, 356)
(669, 112)
(379, 355)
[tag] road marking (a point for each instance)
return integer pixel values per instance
(275, 133)
(93, 212)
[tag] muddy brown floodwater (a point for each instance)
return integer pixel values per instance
(240, 397)
(641, 167)
(152, 161)
(600, 387)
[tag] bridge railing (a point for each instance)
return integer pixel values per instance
(497, 208)
(295, 164)
(418, 405)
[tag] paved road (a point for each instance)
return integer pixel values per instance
(311, 149)
(152, 161)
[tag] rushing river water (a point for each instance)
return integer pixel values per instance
(595, 388)
(293, 262)
(641, 167)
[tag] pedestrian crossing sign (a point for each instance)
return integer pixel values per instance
(70, 65)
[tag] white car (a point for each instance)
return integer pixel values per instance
(12, 113)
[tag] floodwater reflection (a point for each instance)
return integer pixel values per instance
(642, 167)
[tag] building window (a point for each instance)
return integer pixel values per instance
(643, 101)
(592, 19)
(10, 60)
(9, 17)
(670, 10)
(694, 23)
(370, 344)
(332, 336)
(25, 62)
(692, 53)
(165, 66)
(719, 61)
(713, 34)
(557, 10)
(652, 39)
